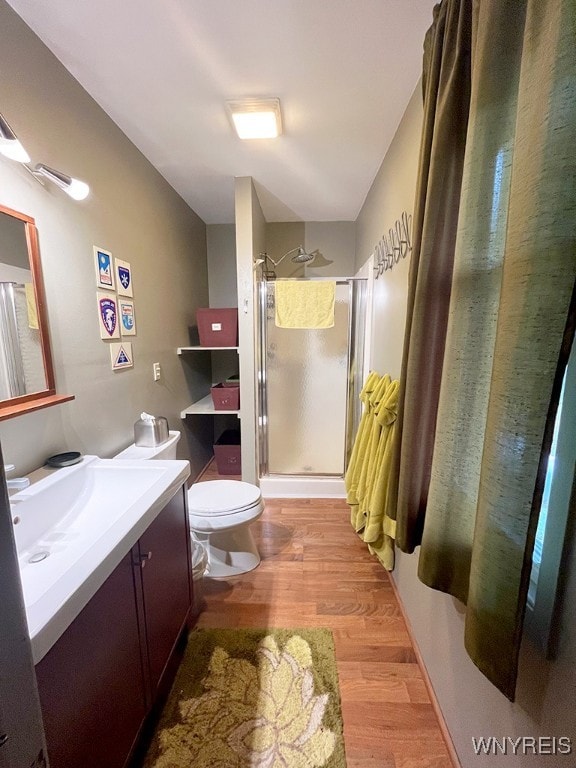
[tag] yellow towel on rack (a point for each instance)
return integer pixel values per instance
(362, 439)
(369, 472)
(305, 304)
(31, 306)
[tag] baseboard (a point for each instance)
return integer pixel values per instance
(427, 682)
(302, 487)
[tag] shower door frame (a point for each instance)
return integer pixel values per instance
(261, 373)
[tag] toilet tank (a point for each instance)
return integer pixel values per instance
(166, 450)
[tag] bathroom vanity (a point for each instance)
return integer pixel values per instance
(104, 556)
(100, 680)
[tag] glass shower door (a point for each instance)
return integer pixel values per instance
(306, 385)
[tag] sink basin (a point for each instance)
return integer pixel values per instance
(74, 526)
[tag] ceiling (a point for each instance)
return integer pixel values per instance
(344, 71)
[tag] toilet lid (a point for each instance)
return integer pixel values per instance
(222, 497)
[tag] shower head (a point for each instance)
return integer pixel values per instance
(302, 257)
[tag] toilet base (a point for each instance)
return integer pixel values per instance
(232, 552)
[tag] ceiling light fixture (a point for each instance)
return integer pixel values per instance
(9, 144)
(256, 118)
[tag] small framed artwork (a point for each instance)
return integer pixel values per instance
(104, 269)
(108, 316)
(124, 278)
(121, 356)
(127, 317)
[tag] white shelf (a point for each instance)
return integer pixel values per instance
(205, 406)
(181, 350)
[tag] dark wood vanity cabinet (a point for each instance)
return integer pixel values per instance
(166, 584)
(99, 681)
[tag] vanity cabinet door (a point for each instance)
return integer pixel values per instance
(91, 683)
(166, 582)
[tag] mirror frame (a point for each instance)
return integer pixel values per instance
(34, 401)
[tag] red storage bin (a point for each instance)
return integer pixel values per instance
(227, 452)
(218, 327)
(226, 397)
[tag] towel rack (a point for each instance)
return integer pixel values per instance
(395, 245)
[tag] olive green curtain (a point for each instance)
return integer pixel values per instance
(509, 327)
(446, 87)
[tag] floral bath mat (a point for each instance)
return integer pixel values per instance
(246, 698)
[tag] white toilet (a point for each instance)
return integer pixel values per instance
(220, 511)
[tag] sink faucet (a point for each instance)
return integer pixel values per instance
(15, 483)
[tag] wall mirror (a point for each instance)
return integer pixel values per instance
(26, 371)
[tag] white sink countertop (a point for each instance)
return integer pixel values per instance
(73, 526)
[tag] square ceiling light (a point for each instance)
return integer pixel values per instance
(256, 118)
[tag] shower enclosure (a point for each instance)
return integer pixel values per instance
(12, 379)
(308, 386)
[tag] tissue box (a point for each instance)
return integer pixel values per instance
(226, 398)
(150, 432)
(218, 327)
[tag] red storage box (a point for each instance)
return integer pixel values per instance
(227, 453)
(226, 397)
(218, 327)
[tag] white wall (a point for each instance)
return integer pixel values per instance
(335, 242)
(391, 193)
(132, 212)
(250, 240)
(546, 696)
(223, 292)
(221, 247)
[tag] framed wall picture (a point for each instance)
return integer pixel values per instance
(104, 266)
(108, 315)
(124, 278)
(127, 317)
(121, 356)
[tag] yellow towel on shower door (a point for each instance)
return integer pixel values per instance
(305, 304)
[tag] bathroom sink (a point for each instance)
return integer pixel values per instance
(74, 526)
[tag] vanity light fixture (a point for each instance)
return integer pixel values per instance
(78, 190)
(256, 118)
(10, 146)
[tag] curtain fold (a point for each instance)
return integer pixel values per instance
(508, 327)
(446, 86)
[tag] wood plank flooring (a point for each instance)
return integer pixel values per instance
(315, 572)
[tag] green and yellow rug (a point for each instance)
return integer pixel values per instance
(246, 698)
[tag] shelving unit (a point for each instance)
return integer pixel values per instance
(204, 406)
(182, 350)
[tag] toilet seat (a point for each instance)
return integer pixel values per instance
(218, 505)
(222, 497)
